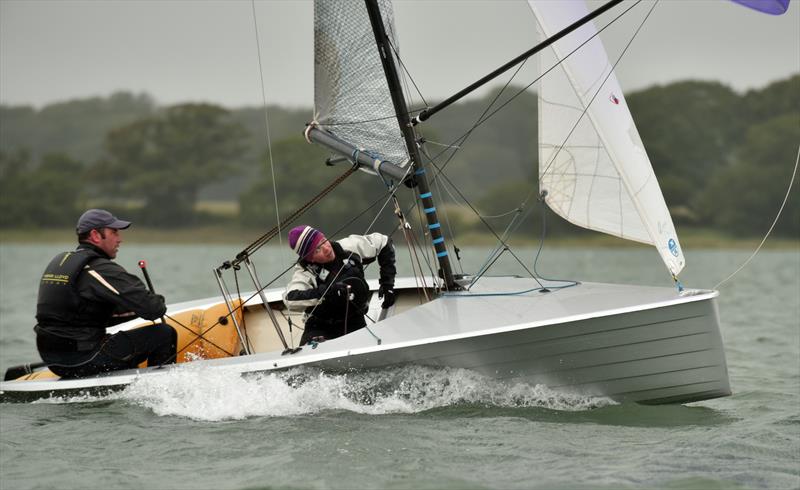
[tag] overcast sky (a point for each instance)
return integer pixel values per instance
(192, 50)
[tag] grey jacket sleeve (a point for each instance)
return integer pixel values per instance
(301, 292)
(371, 247)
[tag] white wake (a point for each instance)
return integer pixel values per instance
(213, 394)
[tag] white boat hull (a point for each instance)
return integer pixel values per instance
(629, 343)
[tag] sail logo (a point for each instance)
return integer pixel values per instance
(613, 98)
(673, 247)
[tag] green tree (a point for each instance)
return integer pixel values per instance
(76, 127)
(47, 195)
(503, 146)
(300, 174)
(688, 129)
(14, 196)
(166, 159)
(744, 197)
(776, 99)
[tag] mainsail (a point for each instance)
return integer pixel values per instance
(592, 163)
(351, 96)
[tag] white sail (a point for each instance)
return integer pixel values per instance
(351, 95)
(592, 163)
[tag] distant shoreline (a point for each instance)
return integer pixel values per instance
(236, 236)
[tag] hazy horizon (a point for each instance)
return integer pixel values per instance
(309, 105)
(205, 51)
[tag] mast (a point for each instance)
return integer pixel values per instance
(401, 110)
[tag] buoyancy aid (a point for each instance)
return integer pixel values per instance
(346, 268)
(60, 310)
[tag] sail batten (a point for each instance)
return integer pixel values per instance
(592, 163)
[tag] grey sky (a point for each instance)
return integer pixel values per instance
(192, 50)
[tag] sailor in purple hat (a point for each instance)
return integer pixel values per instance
(328, 281)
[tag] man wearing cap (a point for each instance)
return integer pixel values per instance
(328, 280)
(83, 292)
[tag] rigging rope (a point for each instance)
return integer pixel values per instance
(266, 121)
(405, 70)
(569, 283)
(483, 120)
(539, 251)
(246, 340)
(583, 113)
(444, 210)
(412, 249)
(369, 227)
(249, 250)
(494, 255)
(229, 315)
(783, 204)
(261, 241)
(486, 115)
(466, 201)
(411, 239)
(599, 88)
(266, 237)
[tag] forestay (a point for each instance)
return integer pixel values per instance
(351, 95)
(592, 163)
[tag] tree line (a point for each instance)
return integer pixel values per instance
(723, 160)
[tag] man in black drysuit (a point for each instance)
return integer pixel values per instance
(83, 292)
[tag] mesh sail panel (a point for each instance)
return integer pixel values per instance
(351, 96)
(592, 162)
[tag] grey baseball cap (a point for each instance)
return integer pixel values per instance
(99, 218)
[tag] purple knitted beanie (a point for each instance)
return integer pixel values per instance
(304, 240)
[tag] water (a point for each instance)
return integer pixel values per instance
(415, 427)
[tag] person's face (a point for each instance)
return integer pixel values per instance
(323, 253)
(107, 240)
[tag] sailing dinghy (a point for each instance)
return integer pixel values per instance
(630, 343)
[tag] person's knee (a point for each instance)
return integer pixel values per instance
(169, 334)
(161, 335)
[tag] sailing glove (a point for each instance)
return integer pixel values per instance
(330, 290)
(337, 291)
(387, 293)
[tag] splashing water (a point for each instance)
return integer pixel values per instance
(215, 394)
